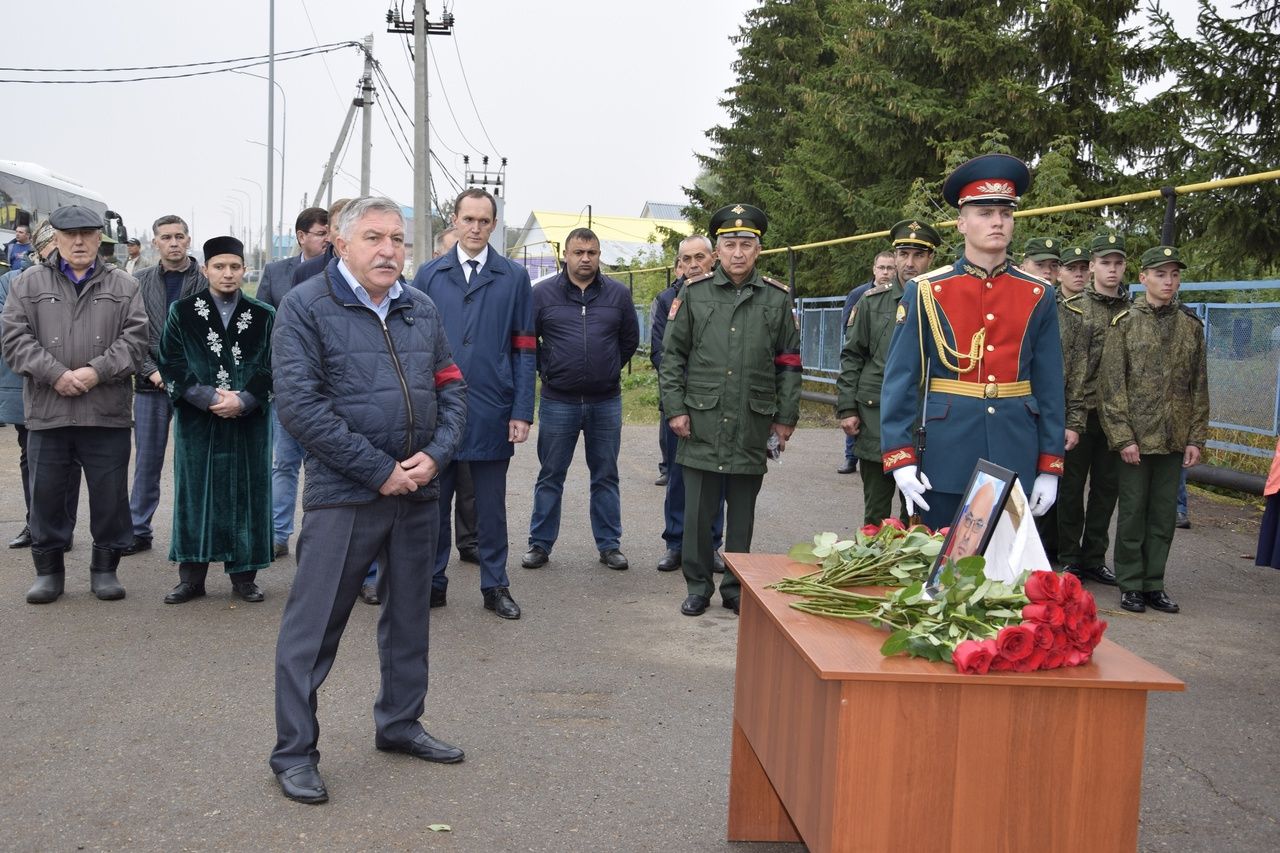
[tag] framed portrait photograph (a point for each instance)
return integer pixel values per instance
(975, 522)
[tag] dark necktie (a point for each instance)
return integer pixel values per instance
(475, 268)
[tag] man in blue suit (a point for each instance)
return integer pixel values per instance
(984, 336)
(487, 307)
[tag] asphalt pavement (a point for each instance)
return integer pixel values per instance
(598, 721)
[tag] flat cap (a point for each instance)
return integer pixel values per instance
(73, 217)
(1160, 255)
(133, 241)
(739, 220)
(914, 234)
(1042, 249)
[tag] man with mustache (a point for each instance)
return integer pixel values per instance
(983, 335)
(365, 382)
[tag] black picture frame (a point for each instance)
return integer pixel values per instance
(962, 536)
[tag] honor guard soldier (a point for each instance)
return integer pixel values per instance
(866, 346)
(981, 337)
(1154, 405)
(1083, 528)
(730, 378)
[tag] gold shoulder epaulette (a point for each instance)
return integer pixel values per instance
(698, 278)
(784, 288)
(877, 290)
(1073, 308)
(931, 273)
(1120, 316)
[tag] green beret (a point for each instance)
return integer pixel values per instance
(914, 234)
(1108, 244)
(1160, 255)
(1042, 249)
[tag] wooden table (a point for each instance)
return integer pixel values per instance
(845, 749)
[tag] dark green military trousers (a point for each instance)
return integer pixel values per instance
(701, 506)
(1083, 533)
(878, 489)
(1148, 510)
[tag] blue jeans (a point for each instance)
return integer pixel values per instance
(850, 441)
(286, 459)
(152, 413)
(558, 427)
(1182, 493)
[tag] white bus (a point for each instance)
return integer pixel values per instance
(29, 193)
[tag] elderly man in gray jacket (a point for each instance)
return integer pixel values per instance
(75, 329)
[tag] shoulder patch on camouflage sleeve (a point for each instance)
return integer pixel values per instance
(675, 308)
(784, 288)
(1116, 319)
(902, 314)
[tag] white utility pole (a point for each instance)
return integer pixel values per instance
(366, 98)
(271, 126)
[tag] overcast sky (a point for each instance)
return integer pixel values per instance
(593, 103)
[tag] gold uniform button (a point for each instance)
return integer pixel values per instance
(1035, 290)
(722, 467)
(730, 372)
(937, 288)
(991, 316)
(991, 410)
(991, 348)
(733, 328)
(990, 285)
(991, 377)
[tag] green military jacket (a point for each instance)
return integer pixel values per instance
(866, 346)
(1070, 324)
(731, 362)
(1097, 312)
(1154, 384)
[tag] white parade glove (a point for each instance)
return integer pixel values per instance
(913, 486)
(1043, 494)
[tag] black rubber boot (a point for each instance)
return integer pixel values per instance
(102, 574)
(50, 577)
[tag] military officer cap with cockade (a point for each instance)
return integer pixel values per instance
(1108, 244)
(1042, 249)
(991, 179)
(1074, 255)
(914, 234)
(739, 220)
(1160, 255)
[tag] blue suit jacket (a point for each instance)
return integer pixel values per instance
(277, 279)
(489, 323)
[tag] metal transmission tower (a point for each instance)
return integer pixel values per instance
(420, 27)
(495, 182)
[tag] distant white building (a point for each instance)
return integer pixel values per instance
(539, 245)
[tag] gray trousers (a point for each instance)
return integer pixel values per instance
(334, 551)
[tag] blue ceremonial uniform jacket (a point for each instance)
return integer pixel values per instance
(489, 323)
(1012, 319)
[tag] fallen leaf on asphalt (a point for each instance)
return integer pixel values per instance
(213, 813)
(440, 827)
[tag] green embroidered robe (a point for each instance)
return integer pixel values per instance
(221, 466)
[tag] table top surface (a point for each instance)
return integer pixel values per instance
(844, 649)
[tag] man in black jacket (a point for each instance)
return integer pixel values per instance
(586, 327)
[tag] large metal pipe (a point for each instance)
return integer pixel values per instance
(1227, 478)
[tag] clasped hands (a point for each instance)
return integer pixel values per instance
(410, 475)
(73, 383)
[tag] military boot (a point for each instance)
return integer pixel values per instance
(102, 573)
(50, 577)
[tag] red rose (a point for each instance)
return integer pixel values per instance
(999, 664)
(1044, 635)
(870, 530)
(1075, 657)
(1069, 589)
(1015, 642)
(894, 523)
(1042, 587)
(973, 657)
(923, 528)
(1053, 658)
(1095, 636)
(1089, 607)
(1031, 662)
(1049, 614)
(943, 531)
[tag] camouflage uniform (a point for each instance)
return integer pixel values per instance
(1154, 390)
(1083, 535)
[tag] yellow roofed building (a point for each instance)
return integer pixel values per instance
(540, 243)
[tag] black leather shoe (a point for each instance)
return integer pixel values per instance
(695, 605)
(732, 604)
(1161, 601)
(469, 555)
(369, 594)
(499, 600)
(1074, 568)
(137, 546)
(1133, 602)
(670, 561)
(439, 598)
(302, 783)
(22, 540)
(184, 592)
(248, 591)
(662, 480)
(534, 558)
(614, 560)
(1101, 574)
(717, 563)
(426, 747)
(280, 549)
(848, 468)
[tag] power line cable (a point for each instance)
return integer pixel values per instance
(188, 74)
(279, 55)
(408, 118)
(467, 84)
(444, 90)
(332, 82)
(433, 127)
